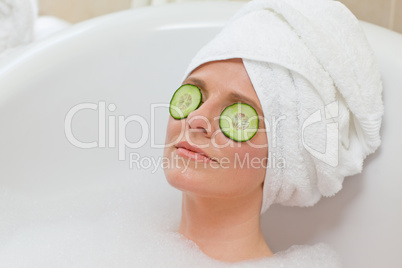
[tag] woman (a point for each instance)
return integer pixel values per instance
(307, 72)
(221, 198)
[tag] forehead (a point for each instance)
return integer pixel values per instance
(229, 77)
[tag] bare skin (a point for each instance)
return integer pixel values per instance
(225, 233)
(221, 200)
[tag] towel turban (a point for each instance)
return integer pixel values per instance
(316, 76)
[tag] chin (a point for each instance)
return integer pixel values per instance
(202, 184)
(185, 178)
(192, 182)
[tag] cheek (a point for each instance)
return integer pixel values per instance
(170, 129)
(172, 136)
(173, 131)
(248, 160)
(249, 156)
(256, 148)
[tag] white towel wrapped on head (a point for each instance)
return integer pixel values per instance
(316, 75)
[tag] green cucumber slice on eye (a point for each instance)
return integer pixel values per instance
(239, 122)
(186, 99)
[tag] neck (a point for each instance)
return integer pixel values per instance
(224, 229)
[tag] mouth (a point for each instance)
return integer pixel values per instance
(183, 148)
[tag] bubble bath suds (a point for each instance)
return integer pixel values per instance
(117, 226)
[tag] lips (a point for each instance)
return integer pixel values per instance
(195, 153)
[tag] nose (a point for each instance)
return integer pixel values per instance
(202, 120)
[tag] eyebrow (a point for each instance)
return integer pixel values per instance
(201, 83)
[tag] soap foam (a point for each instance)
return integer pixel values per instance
(131, 226)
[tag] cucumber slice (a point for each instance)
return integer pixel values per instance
(186, 99)
(239, 122)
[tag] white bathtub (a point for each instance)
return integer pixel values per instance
(132, 59)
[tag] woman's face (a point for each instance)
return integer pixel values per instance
(238, 168)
